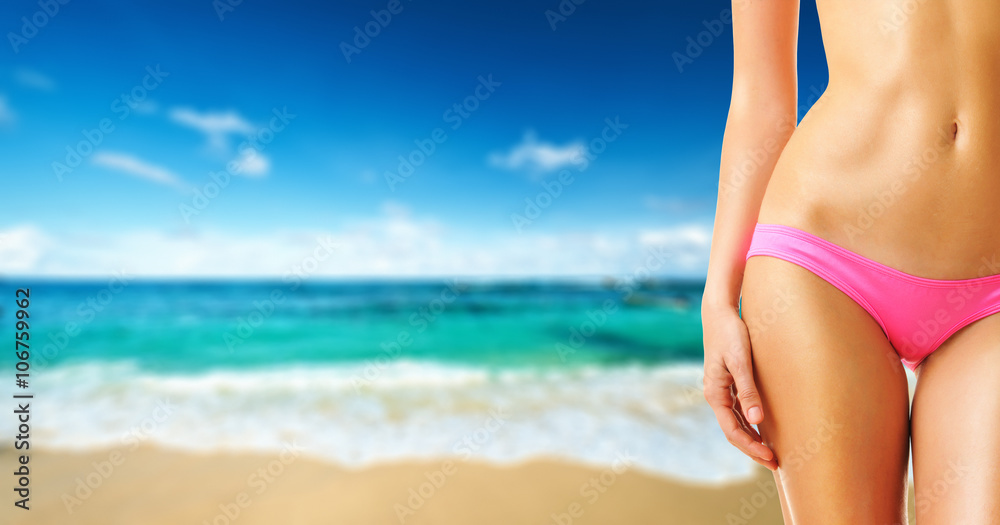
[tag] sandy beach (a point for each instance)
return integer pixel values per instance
(152, 487)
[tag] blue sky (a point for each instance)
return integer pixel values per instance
(218, 83)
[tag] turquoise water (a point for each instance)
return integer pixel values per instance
(359, 373)
(201, 326)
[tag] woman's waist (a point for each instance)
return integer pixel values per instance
(919, 220)
(899, 120)
(898, 163)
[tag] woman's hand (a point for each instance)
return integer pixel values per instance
(728, 384)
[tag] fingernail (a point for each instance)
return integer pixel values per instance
(754, 414)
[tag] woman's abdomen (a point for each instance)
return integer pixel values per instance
(901, 172)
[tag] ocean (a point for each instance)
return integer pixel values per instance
(359, 373)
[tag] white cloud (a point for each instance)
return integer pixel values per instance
(7, 115)
(393, 244)
(253, 163)
(34, 80)
(535, 156)
(21, 249)
(137, 168)
(217, 126)
(689, 244)
(687, 234)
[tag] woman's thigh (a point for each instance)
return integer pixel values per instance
(956, 429)
(836, 403)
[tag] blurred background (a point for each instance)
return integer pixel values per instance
(384, 233)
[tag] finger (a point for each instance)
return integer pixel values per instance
(720, 396)
(738, 437)
(746, 389)
(718, 391)
(747, 427)
(770, 464)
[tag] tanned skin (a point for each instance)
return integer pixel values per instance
(898, 161)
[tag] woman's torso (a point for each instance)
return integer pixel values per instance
(899, 159)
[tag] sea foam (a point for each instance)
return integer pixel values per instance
(357, 415)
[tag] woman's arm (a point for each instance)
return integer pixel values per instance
(762, 116)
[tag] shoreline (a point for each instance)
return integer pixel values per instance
(157, 486)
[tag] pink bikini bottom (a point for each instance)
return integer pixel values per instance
(916, 314)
